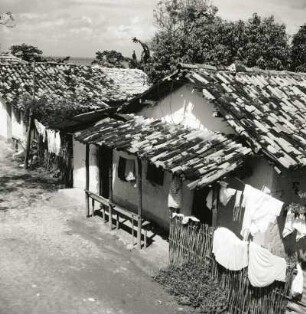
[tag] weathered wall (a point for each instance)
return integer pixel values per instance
(154, 197)
(79, 170)
(188, 107)
(18, 126)
(5, 120)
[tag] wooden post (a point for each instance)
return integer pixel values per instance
(87, 180)
(110, 210)
(31, 120)
(139, 186)
(215, 205)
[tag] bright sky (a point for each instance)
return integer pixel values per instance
(81, 27)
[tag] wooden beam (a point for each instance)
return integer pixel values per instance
(87, 180)
(139, 186)
(28, 144)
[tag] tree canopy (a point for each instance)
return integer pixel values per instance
(190, 31)
(31, 53)
(111, 59)
(298, 50)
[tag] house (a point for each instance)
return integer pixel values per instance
(57, 87)
(267, 109)
(129, 158)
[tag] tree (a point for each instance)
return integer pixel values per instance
(298, 50)
(190, 31)
(111, 59)
(27, 52)
(264, 44)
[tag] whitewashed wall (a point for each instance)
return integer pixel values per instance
(186, 106)
(5, 120)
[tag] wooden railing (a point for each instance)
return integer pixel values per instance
(111, 209)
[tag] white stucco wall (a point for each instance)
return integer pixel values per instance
(5, 120)
(79, 170)
(18, 128)
(154, 197)
(187, 106)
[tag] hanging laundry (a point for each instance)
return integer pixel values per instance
(41, 129)
(226, 194)
(264, 267)
(57, 143)
(185, 219)
(295, 221)
(129, 173)
(209, 200)
(299, 224)
(237, 207)
(54, 142)
(288, 228)
(175, 193)
(298, 282)
(260, 210)
(230, 252)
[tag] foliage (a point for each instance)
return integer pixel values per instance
(31, 53)
(190, 31)
(111, 59)
(264, 43)
(298, 50)
(192, 285)
(27, 52)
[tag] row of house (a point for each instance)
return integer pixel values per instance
(191, 130)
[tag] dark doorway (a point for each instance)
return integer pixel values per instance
(105, 165)
(199, 208)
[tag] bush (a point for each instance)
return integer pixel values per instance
(192, 285)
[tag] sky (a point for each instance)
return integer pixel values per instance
(79, 28)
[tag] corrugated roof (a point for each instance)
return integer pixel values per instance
(199, 156)
(267, 108)
(79, 84)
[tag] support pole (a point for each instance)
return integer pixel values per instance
(139, 186)
(31, 121)
(110, 182)
(87, 180)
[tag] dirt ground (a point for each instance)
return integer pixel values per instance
(54, 260)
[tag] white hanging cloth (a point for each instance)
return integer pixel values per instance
(175, 193)
(264, 267)
(293, 223)
(298, 282)
(260, 210)
(230, 252)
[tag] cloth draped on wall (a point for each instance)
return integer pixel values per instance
(54, 142)
(260, 210)
(264, 267)
(185, 219)
(129, 173)
(41, 129)
(175, 193)
(229, 250)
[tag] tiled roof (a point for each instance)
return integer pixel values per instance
(198, 156)
(267, 108)
(79, 84)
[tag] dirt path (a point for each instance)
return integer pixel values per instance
(53, 260)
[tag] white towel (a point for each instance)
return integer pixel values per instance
(226, 194)
(288, 229)
(175, 193)
(230, 252)
(260, 210)
(264, 267)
